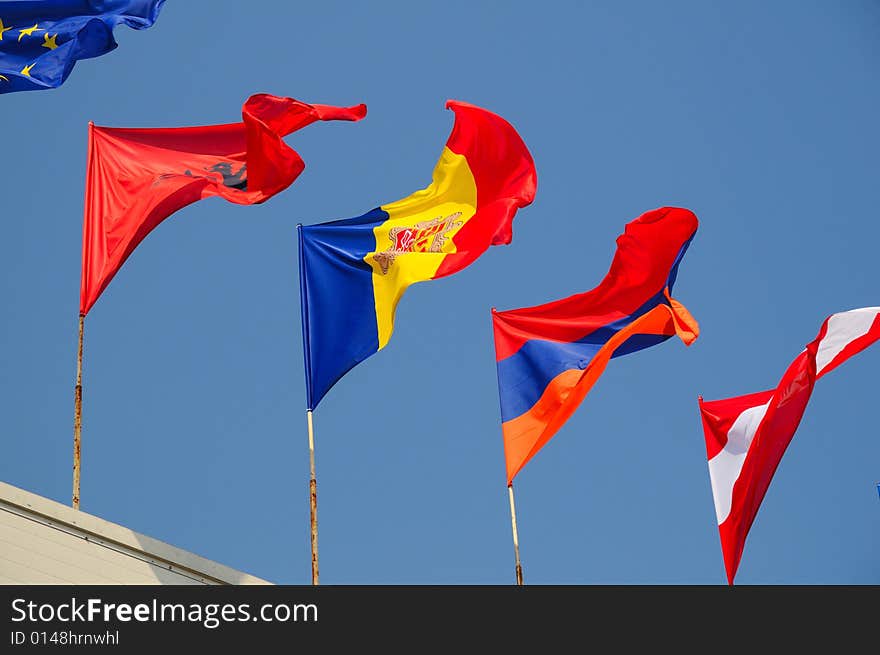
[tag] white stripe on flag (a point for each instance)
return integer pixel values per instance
(843, 329)
(725, 467)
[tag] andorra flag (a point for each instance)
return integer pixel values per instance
(550, 356)
(746, 436)
(353, 272)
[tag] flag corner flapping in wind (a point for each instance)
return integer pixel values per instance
(746, 436)
(549, 356)
(40, 42)
(353, 272)
(137, 177)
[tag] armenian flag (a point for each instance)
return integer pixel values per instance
(353, 272)
(549, 356)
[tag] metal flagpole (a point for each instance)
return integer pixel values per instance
(77, 416)
(313, 499)
(313, 483)
(519, 576)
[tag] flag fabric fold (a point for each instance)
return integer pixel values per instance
(746, 436)
(40, 42)
(549, 356)
(137, 177)
(353, 272)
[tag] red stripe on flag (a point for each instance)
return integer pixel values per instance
(504, 174)
(787, 404)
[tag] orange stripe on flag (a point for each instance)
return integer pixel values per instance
(525, 435)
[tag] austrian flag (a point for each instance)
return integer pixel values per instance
(746, 436)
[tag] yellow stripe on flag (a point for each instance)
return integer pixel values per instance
(412, 243)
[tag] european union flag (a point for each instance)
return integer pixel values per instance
(41, 41)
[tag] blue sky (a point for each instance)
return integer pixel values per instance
(759, 117)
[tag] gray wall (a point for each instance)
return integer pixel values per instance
(45, 542)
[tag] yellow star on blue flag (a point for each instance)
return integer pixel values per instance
(41, 41)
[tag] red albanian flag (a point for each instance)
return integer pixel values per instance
(137, 177)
